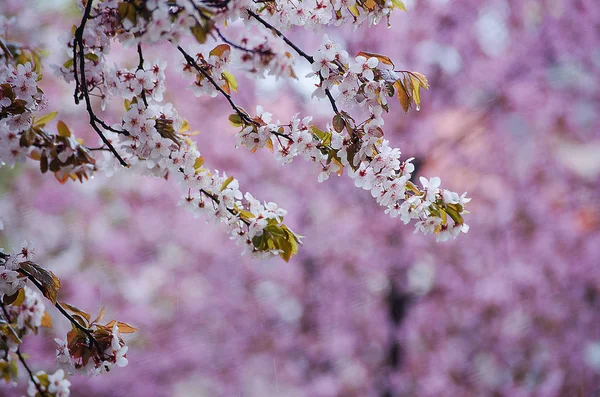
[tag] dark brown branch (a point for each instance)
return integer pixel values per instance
(141, 67)
(208, 18)
(331, 100)
(278, 33)
(83, 89)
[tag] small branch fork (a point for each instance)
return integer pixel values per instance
(81, 88)
(304, 55)
(190, 61)
(243, 115)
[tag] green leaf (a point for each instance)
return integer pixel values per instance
(422, 79)
(127, 11)
(69, 63)
(289, 244)
(416, 91)
(199, 163)
(227, 182)
(230, 79)
(236, 120)
(399, 5)
(8, 331)
(200, 32)
(318, 133)
(63, 130)
(91, 57)
(42, 121)
(456, 217)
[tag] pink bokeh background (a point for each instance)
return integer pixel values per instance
(367, 308)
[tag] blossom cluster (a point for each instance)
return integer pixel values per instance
(55, 385)
(19, 99)
(131, 83)
(315, 14)
(152, 136)
(152, 141)
(75, 355)
(364, 82)
(372, 163)
(10, 282)
(89, 347)
(22, 134)
(30, 312)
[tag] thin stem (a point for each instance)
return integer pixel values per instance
(278, 33)
(31, 376)
(331, 100)
(217, 201)
(141, 67)
(207, 18)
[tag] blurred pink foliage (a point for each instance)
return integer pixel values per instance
(366, 308)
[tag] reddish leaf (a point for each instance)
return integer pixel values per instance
(49, 283)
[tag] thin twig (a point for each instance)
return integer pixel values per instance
(278, 33)
(94, 120)
(303, 54)
(190, 61)
(141, 67)
(231, 211)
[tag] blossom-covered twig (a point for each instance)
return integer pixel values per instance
(82, 86)
(20, 355)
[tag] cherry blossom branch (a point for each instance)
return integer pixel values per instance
(20, 355)
(230, 210)
(298, 50)
(216, 29)
(190, 61)
(61, 309)
(309, 58)
(94, 120)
